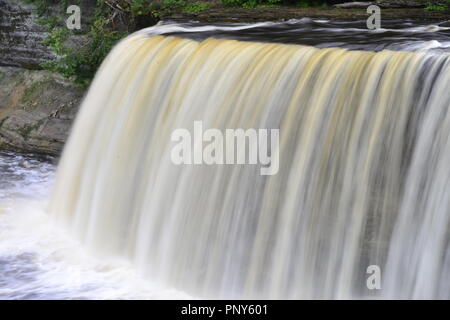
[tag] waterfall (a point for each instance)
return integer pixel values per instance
(363, 169)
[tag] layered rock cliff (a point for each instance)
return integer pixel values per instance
(21, 37)
(37, 107)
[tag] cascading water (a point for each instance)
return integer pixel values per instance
(363, 176)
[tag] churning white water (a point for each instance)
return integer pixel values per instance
(364, 178)
(39, 261)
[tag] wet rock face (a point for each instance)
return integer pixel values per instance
(20, 36)
(401, 3)
(37, 109)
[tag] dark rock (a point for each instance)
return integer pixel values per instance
(20, 36)
(348, 5)
(400, 3)
(37, 109)
(284, 13)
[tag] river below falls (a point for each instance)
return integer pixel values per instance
(38, 260)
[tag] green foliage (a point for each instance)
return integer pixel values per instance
(81, 61)
(174, 3)
(435, 7)
(250, 4)
(311, 3)
(144, 8)
(302, 4)
(140, 7)
(56, 40)
(233, 3)
(169, 6)
(196, 7)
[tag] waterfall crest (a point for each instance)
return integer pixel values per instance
(363, 175)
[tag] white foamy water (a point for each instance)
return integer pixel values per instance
(38, 260)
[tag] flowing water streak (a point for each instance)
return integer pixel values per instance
(363, 140)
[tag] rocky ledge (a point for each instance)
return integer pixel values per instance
(389, 11)
(37, 109)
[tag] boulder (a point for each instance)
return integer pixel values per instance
(400, 3)
(37, 109)
(352, 5)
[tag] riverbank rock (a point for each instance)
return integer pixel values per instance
(348, 5)
(37, 109)
(285, 13)
(383, 4)
(401, 3)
